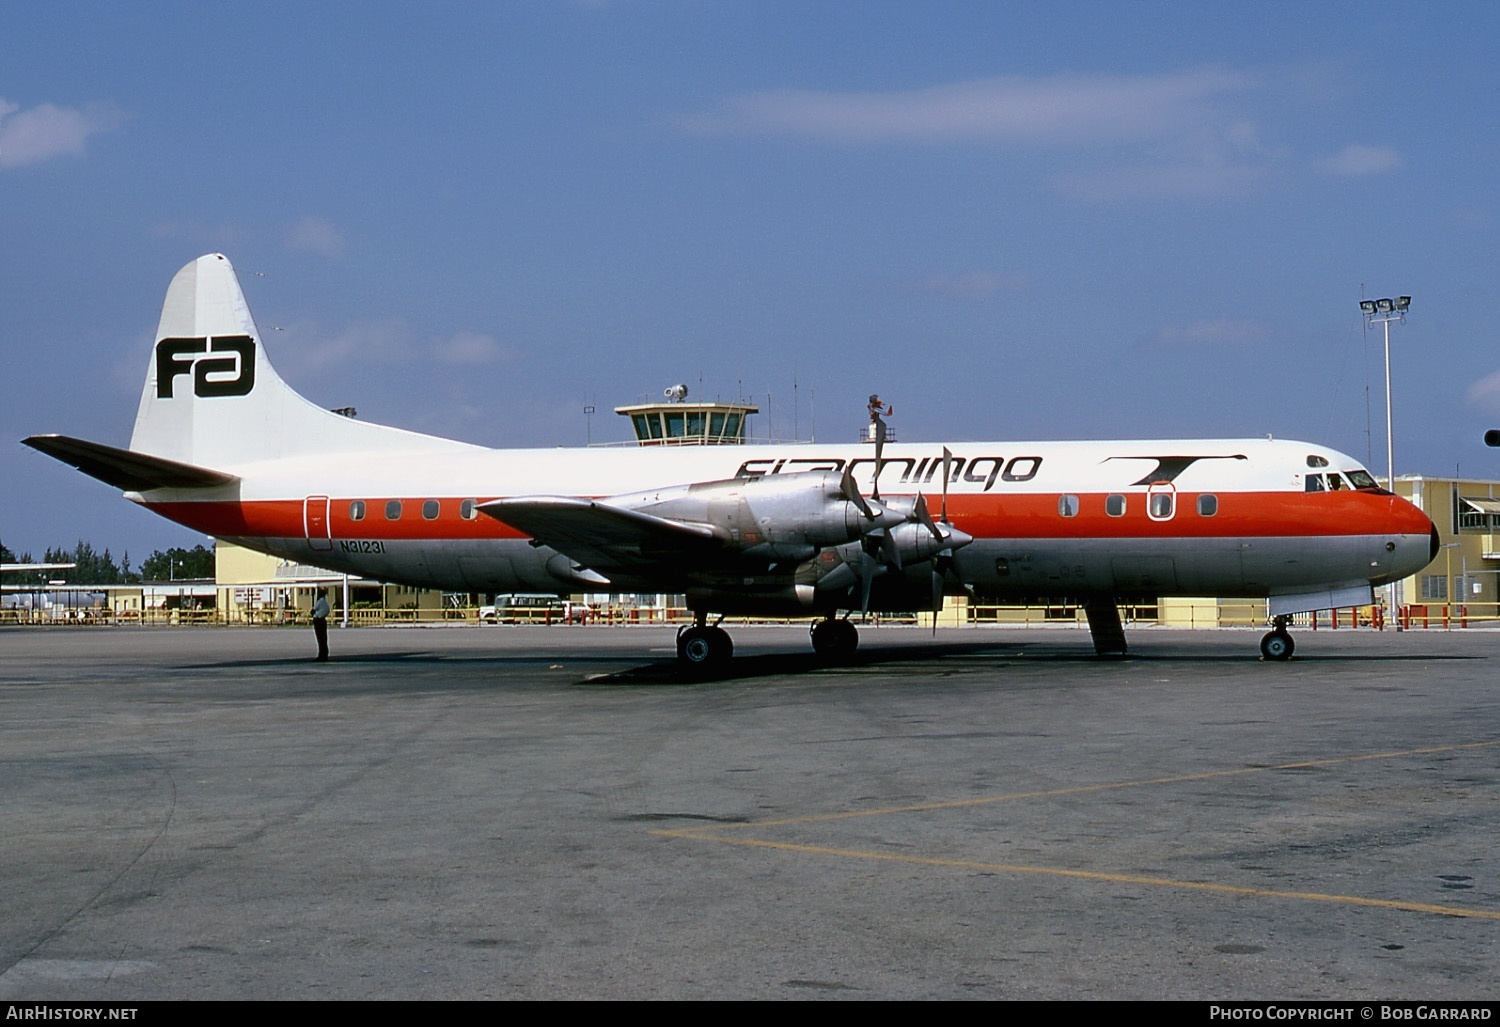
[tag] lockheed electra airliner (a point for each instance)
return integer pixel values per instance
(224, 446)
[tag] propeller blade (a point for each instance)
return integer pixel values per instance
(879, 451)
(922, 515)
(890, 550)
(850, 491)
(867, 576)
(937, 596)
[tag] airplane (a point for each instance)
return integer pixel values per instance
(222, 445)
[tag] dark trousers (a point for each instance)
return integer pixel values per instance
(320, 628)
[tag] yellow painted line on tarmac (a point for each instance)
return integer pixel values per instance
(1085, 789)
(717, 834)
(1091, 875)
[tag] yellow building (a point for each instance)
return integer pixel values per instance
(1462, 582)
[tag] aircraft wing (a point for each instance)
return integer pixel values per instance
(125, 468)
(606, 538)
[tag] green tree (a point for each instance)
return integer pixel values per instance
(178, 564)
(92, 567)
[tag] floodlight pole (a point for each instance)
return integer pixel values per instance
(1385, 311)
(1390, 450)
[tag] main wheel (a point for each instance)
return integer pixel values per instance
(834, 639)
(1277, 645)
(703, 648)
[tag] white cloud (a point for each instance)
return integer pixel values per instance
(975, 284)
(1485, 394)
(1183, 134)
(1060, 109)
(306, 349)
(45, 131)
(1210, 334)
(1201, 179)
(471, 349)
(1357, 159)
(316, 235)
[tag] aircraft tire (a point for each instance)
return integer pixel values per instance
(1277, 645)
(834, 639)
(704, 648)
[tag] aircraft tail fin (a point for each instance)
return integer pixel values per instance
(212, 399)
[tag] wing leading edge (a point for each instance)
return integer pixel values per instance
(601, 537)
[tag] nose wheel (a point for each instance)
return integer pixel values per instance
(1278, 644)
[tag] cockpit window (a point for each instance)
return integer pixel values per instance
(1315, 483)
(1314, 460)
(1335, 483)
(1361, 479)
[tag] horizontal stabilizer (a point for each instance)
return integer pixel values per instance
(127, 469)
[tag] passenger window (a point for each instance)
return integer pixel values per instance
(1208, 505)
(468, 509)
(430, 510)
(393, 510)
(1114, 506)
(1315, 483)
(1067, 506)
(357, 510)
(1159, 505)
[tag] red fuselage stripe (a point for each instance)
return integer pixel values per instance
(1031, 515)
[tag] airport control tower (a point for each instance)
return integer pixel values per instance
(676, 422)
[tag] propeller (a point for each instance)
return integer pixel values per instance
(879, 548)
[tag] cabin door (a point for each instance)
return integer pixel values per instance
(315, 523)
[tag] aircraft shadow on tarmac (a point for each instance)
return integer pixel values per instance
(936, 656)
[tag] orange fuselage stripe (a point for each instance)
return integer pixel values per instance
(1010, 516)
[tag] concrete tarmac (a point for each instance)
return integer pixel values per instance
(503, 812)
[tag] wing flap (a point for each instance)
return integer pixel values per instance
(126, 469)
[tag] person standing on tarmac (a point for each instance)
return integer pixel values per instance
(320, 623)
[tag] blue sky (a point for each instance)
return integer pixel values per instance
(1012, 220)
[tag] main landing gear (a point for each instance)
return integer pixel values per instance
(703, 648)
(834, 638)
(1278, 644)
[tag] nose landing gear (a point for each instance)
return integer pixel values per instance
(1278, 644)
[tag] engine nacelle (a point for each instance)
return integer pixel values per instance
(913, 546)
(775, 517)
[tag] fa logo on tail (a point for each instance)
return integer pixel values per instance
(233, 355)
